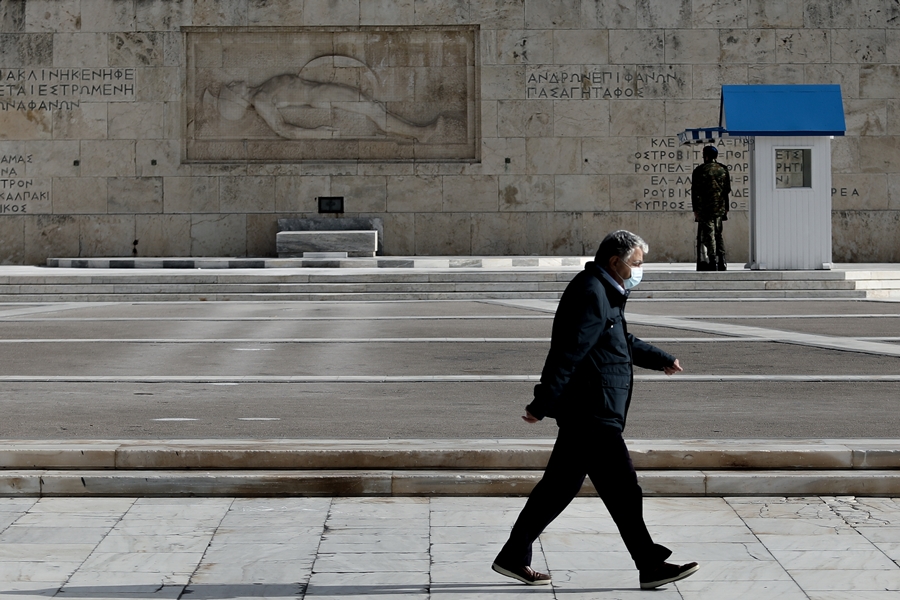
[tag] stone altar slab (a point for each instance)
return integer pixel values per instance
(341, 224)
(291, 244)
(331, 93)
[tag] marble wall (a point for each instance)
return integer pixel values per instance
(574, 109)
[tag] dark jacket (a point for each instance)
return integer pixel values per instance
(588, 374)
(710, 186)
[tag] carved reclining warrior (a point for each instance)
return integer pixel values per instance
(307, 98)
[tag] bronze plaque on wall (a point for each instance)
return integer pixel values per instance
(278, 94)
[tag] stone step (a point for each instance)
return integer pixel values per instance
(214, 296)
(454, 454)
(146, 281)
(434, 467)
(397, 280)
(878, 274)
(345, 483)
(289, 288)
(150, 287)
(237, 297)
(737, 285)
(544, 282)
(883, 294)
(391, 262)
(371, 275)
(26, 285)
(741, 275)
(750, 295)
(877, 284)
(573, 263)
(12, 295)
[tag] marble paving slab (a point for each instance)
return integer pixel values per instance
(814, 547)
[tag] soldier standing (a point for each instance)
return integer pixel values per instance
(710, 186)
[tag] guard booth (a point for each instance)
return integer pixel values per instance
(788, 130)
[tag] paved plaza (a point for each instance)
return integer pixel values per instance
(452, 369)
(789, 370)
(818, 548)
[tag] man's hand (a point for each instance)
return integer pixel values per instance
(529, 418)
(675, 368)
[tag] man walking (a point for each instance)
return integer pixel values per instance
(586, 386)
(710, 186)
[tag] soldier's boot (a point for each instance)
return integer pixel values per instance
(705, 266)
(720, 264)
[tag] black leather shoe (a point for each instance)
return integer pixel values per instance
(666, 573)
(524, 574)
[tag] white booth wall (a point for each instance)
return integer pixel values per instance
(790, 228)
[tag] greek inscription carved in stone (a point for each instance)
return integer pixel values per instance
(600, 83)
(666, 169)
(63, 89)
(18, 193)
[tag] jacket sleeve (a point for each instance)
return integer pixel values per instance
(580, 327)
(727, 190)
(647, 356)
(696, 199)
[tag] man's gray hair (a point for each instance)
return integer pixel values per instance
(619, 243)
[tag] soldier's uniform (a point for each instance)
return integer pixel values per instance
(710, 186)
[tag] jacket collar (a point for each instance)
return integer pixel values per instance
(613, 282)
(615, 292)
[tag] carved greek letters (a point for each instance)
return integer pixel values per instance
(20, 194)
(63, 89)
(596, 83)
(664, 172)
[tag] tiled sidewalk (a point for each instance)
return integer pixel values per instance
(821, 548)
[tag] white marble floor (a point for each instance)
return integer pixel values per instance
(817, 548)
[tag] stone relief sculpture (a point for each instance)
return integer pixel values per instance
(291, 104)
(367, 93)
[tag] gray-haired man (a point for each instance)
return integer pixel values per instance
(586, 386)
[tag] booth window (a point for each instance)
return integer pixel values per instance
(793, 168)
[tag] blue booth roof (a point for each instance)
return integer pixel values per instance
(782, 110)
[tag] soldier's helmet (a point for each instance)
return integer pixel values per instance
(710, 152)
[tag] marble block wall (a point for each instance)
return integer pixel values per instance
(577, 102)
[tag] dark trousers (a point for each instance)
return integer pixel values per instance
(709, 240)
(601, 453)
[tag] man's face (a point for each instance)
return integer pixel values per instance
(621, 268)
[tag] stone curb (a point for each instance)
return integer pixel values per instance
(383, 262)
(488, 467)
(41, 483)
(412, 454)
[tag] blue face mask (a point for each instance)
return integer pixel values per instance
(636, 274)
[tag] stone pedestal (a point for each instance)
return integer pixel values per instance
(293, 244)
(339, 224)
